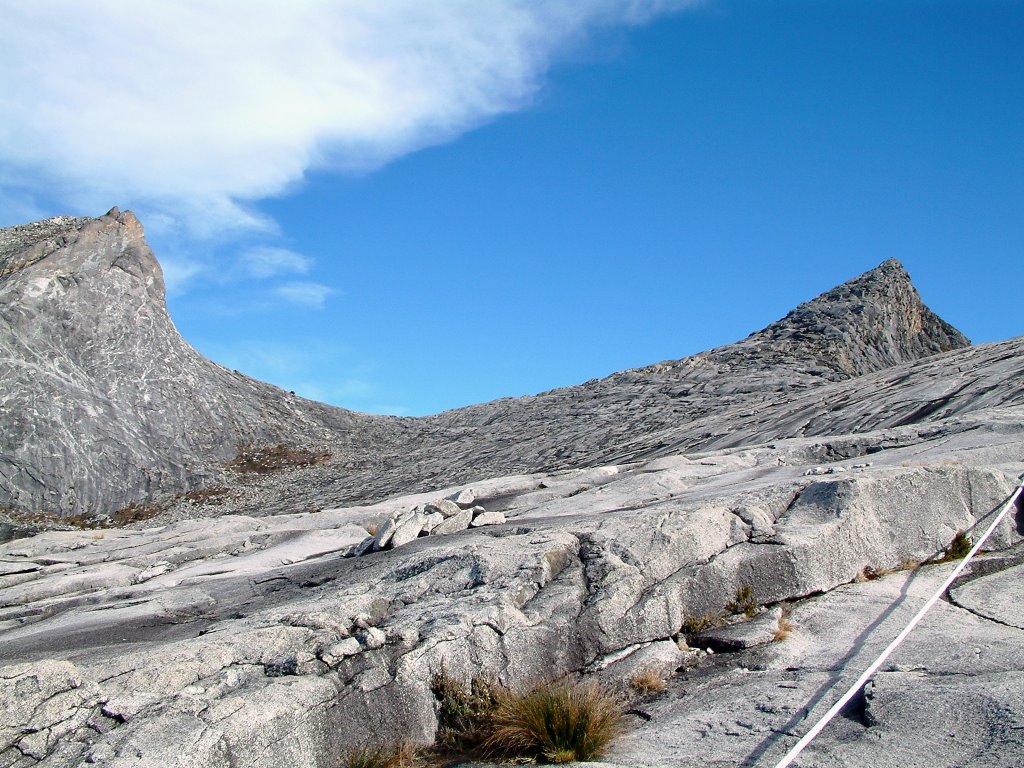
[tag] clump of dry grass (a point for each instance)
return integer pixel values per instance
(648, 681)
(400, 755)
(870, 573)
(784, 628)
(557, 722)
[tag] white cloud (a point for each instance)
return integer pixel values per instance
(194, 108)
(178, 272)
(268, 261)
(304, 294)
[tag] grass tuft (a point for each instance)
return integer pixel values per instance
(556, 722)
(784, 629)
(648, 681)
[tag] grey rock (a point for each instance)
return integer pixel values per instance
(373, 638)
(632, 503)
(407, 528)
(455, 523)
(385, 533)
(89, 358)
(464, 498)
(483, 517)
(446, 507)
(178, 431)
(432, 520)
(760, 630)
(366, 546)
(998, 596)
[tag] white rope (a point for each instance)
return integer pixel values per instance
(809, 736)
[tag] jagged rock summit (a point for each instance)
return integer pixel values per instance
(871, 322)
(107, 406)
(104, 402)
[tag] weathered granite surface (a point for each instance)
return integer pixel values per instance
(240, 628)
(106, 405)
(255, 641)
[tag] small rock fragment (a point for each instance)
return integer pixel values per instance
(454, 524)
(431, 521)
(373, 638)
(384, 534)
(464, 498)
(487, 518)
(446, 507)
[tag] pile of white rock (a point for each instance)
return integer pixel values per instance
(436, 518)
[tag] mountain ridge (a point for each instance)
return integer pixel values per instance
(131, 413)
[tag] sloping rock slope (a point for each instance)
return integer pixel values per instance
(632, 506)
(105, 405)
(258, 642)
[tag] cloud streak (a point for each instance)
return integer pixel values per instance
(269, 261)
(195, 110)
(304, 294)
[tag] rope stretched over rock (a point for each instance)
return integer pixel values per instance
(862, 680)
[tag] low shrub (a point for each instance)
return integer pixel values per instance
(463, 711)
(556, 722)
(957, 549)
(744, 603)
(693, 625)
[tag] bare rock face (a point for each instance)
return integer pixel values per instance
(809, 468)
(104, 404)
(870, 323)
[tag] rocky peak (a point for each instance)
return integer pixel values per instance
(26, 244)
(105, 403)
(871, 322)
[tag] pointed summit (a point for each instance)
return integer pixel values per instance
(871, 322)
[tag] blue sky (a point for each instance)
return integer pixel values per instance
(411, 221)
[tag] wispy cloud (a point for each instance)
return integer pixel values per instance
(179, 272)
(195, 109)
(305, 294)
(267, 261)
